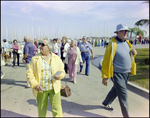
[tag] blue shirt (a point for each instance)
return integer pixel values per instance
(122, 61)
(85, 47)
(28, 49)
(6, 45)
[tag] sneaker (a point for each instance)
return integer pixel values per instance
(108, 107)
(74, 82)
(27, 87)
(80, 71)
(2, 75)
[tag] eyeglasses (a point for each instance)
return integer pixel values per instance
(42, 44)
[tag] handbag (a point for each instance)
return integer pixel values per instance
(20, 51)
(65, 91)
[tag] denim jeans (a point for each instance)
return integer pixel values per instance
(85, 57)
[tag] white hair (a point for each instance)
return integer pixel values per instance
(26, 38)
(48, 42)
(74, 42)
(84, 37)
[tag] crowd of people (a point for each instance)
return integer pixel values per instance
(43, 59)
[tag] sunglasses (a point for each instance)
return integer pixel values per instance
(42, 44)
(125, 31)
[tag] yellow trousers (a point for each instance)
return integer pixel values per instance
(55, 102)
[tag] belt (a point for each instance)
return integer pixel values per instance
(85, 52)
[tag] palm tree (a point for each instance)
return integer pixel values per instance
(137, 31)
(143, 22)
(133, 31)
(142, 32)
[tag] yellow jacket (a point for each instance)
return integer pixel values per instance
(107, 64)
(34, 72)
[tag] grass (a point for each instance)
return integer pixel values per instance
(142, 70)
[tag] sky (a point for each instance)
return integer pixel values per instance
(73, 19)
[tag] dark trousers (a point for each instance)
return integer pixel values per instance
(15, 54)
(9, 54)
(65, 65)
(119, 89)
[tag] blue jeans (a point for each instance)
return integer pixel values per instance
(119, 89)
(1, 72)
(85, 57)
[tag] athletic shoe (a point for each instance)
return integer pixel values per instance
(108, 107)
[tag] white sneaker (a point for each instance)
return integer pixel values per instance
(2, 75)
(74, 82)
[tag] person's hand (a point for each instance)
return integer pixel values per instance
(134, 52)
(105, 81)
(16, 44)
(63, 50)
(24, 61)
(38, 88)
(57, 77)
(92, 56)
(81, 63)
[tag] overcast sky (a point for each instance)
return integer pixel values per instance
(73, 19)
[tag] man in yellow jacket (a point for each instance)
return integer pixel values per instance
(118, 62)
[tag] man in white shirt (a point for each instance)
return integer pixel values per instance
(55, 46)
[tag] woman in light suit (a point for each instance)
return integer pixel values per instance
(73, 58)
(39, 74)
(62, 52)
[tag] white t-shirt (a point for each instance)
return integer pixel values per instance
(55, 48)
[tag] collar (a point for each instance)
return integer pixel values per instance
(85, 43)
(120, 39)
(44, 57)
(27, 42)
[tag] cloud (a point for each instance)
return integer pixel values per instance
(98, 9)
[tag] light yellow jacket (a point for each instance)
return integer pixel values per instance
(107, 64)
(34, 72)
(78, 59)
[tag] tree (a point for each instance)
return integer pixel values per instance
(143, 22)
(133, 31)
(142, 32)
(137, 31)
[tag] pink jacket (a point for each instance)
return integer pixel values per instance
(35, 49)
(15, 47)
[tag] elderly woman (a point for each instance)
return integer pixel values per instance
(73, 58)
(35, 48)
(15, 48)
(62, 52)
(40, 76)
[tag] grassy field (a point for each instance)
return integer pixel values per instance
(142, 73)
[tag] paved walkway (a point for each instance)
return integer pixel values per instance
(85, 101)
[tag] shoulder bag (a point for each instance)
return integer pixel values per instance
(65, 90)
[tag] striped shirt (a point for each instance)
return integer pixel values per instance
(46, 74)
